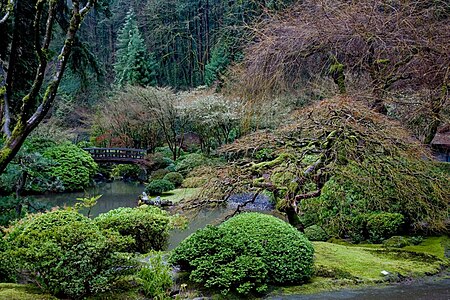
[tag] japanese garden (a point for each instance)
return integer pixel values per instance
(215, 149)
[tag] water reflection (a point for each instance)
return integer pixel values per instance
(115, 194)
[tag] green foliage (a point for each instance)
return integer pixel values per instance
(74, 166)
(164, 151)
(246, 253)
(67, 255)
(158, 174)
(29, 172)
(127, 171)
(13, 208)
(383, 225)
(156, 277)
(416, 240)
(87, 202)
(159, 186)
(147, 225)
(39, 144)
(174, 177)
(8, 264)
(188, 162)
(216, 67)
(316, 233)
(133, 65)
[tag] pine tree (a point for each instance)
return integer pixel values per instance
(134, 65)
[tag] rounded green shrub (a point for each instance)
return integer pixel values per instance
(245, 254)
(158, 174)
(383, 225)
(174, 177)
(159, 186)
(66, 254)
(148, 226)
(74, 166)
(316, 233)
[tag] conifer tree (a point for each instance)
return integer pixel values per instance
(134, 65)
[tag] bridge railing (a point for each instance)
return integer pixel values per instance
(115, 153)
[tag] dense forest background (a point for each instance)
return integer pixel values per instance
(392, 55)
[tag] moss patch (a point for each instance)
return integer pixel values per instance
(433, 245)
(12, 291)
(178, 195)
(346, 265)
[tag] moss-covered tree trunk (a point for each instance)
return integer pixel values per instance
(28, 117)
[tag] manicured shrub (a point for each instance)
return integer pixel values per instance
(245, 254)
(74, 166)
(158, 174)
(316, 233)
(383, 225)
(67, 255)
(147, 225)
(174, 177)
(159, 186)
(156, 277)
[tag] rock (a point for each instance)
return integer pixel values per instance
(385, 273)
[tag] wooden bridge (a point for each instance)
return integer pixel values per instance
(117, 155)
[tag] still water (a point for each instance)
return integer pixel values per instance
(123, 194)
(114, 195)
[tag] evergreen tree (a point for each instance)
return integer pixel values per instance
(133, 64)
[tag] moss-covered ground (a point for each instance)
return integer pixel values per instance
(346, 265)
(180, 194)
(12, 291)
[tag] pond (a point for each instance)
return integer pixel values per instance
(124, 194)
(115, 194)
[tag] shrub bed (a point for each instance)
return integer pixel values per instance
(67, 255)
